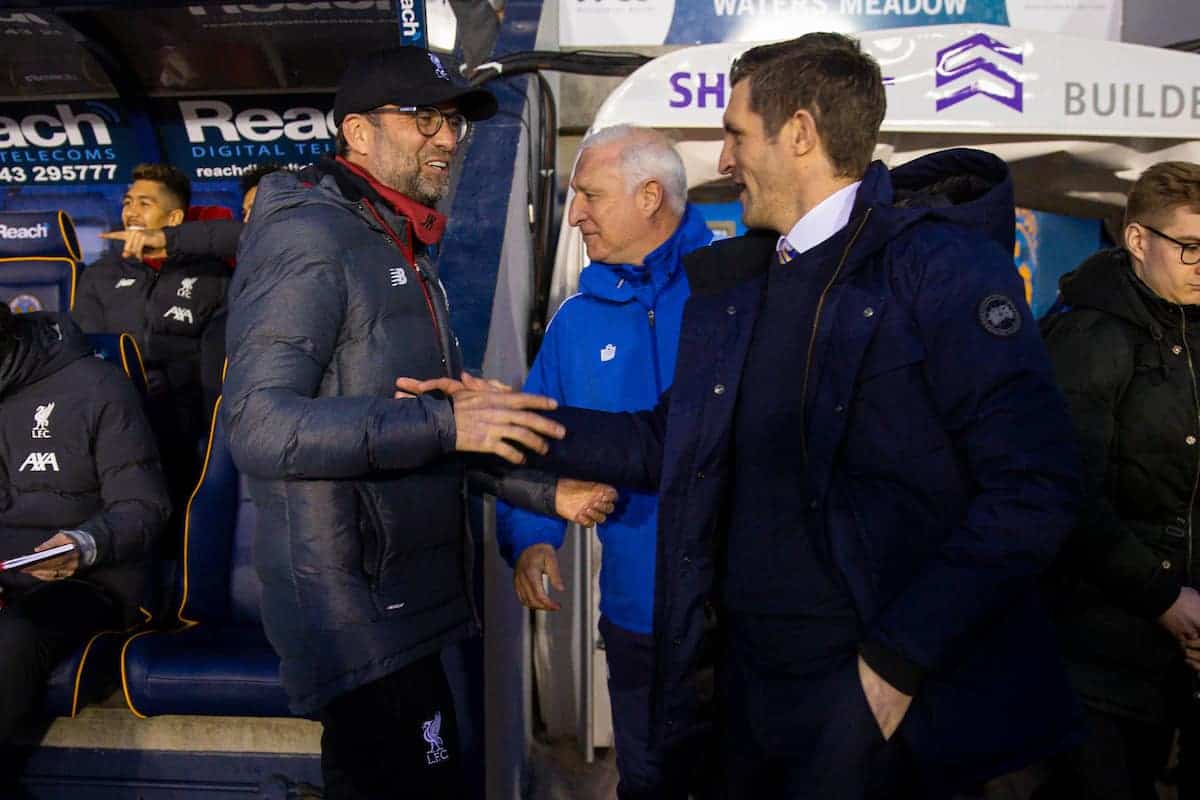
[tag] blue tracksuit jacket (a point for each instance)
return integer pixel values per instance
(612, 348)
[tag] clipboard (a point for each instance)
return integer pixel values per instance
(36, 558)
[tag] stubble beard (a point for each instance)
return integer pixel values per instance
(403, 173)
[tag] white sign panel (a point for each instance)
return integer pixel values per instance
(584, 23)
(963, 78)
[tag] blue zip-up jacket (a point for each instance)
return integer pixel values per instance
(941, 465)
(612, 348)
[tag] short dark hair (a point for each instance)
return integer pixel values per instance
(828, 75)
(255, 173)
(1161, 188)
(173, 178)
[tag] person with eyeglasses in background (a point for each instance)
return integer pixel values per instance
(361, 528)
(1125, 341)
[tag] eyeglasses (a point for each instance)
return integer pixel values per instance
(430, 120)
(1189, 252)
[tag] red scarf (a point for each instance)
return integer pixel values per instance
(427, 225)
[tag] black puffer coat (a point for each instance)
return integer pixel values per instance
(1127, 362)
(167, 310)
(360, 540)
(76, 453)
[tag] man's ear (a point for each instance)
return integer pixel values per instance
(650, 197)
(354, 130)
(1135, 241)
(800, 132)
(176, 216)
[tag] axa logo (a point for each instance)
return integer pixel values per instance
(180, 314)
(40, 462)
(61, 128)
(41, 422)
(185, 288)
(992, 79)
(300, 124)
(399, 278)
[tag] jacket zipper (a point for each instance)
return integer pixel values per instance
(1196, 478)
(812, 340)
(654, 353)
(422, 279)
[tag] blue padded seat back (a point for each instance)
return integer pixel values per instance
(45, 234)
(210, 529)
(122, 349)
(38, 283)
(245, 589)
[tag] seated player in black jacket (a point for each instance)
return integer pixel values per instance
(78, 464)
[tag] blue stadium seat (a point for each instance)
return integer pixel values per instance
(216, 659)
(39, 261)
(122, 349)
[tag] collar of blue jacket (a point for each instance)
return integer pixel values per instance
(621, 283)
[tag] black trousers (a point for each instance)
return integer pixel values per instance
(811, 736)
(645, 772)
(1120, 760)
(394, 738)
(37, 631)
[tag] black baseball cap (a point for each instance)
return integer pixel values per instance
(406, 76)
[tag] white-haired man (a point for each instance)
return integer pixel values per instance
(612, 347)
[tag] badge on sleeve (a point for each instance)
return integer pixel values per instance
(999, 315)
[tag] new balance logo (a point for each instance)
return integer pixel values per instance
(41, 422)
(952, 64)
(608, 352)
(185, 288)
(40, 462)
(125, 283)
(399, 278)
(180, 314)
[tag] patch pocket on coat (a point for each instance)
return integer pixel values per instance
(892, 349)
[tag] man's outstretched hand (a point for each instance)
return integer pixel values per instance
(585, 503)
(490, 417)
(535, 561)
(140, 243)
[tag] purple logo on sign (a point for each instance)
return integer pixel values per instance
(952, 65)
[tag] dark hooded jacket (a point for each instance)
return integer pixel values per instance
(76, 453)
(361, 524)
(939, 456)
(1126, 361)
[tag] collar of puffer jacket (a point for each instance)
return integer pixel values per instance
(428, 225)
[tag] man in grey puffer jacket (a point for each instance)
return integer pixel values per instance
(360, 541)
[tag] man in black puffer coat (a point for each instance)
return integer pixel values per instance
(1127, 354)
(361, 516)
(167, 304)
(78, 465)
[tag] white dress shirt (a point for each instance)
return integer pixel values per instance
(823, 220)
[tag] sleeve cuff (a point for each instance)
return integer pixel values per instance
(86, 544)
(1160, 594)
(902, 673)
